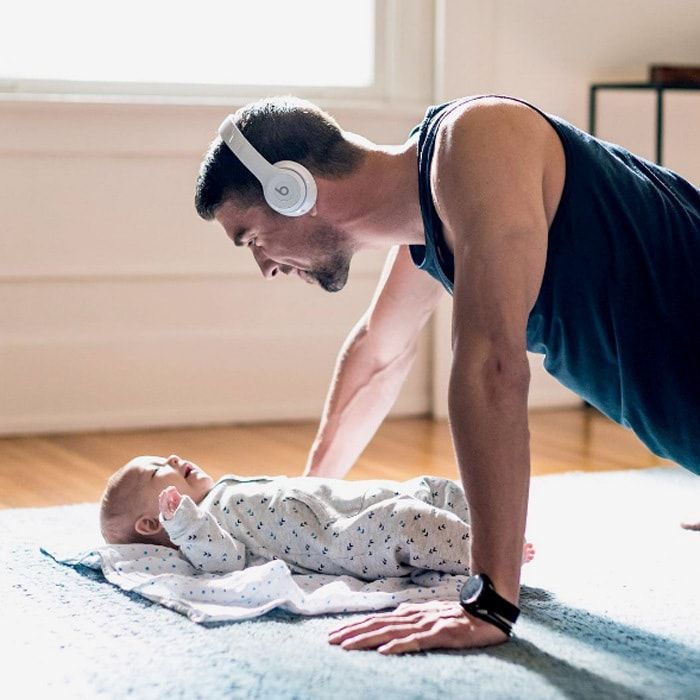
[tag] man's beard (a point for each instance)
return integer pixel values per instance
(333, 274)
(333, 268)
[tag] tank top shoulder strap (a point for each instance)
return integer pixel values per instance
(434, 257)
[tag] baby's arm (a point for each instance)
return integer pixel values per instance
(199, 536)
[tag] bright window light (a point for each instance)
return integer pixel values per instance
(214, 42)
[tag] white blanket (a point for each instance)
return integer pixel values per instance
(160, 574)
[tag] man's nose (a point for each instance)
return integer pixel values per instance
(269, 268)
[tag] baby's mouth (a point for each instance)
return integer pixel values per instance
(188, 470)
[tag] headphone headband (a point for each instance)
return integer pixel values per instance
(289, 188)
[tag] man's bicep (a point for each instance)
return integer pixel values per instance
(492, 202)
(497, 280)
(403, 301)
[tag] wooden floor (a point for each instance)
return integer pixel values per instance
(62, 469)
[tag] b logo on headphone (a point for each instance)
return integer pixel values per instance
(289, 188)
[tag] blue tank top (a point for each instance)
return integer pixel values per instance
(618, 313)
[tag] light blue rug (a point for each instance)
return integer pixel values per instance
(611, 611)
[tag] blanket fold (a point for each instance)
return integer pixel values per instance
(162, 575)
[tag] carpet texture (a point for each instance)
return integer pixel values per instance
(610, 610)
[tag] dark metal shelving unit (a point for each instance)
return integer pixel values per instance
(659, 88)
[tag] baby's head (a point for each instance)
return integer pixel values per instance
(129, 509)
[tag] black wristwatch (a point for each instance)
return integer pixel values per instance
(479, 598)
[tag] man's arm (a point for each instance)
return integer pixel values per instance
(489, 194)
(373, 364)
(487, 401)
(500, 234)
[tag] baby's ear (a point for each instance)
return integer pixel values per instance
(147, 526)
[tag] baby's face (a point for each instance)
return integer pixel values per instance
(154, 474)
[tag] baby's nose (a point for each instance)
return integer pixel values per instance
(173, 460)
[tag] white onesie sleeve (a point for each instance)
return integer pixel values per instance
(202, 541)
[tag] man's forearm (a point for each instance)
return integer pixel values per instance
(488, 418)
(360, 396)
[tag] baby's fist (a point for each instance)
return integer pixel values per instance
(168, 501)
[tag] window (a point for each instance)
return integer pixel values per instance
(188, 47)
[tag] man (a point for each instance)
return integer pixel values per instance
(548, 239)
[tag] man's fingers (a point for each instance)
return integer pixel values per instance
(364, 623)
(402, 612)
(405, 613)
(420, 641)
(407, 644)
(431, 627)
(377, 637)
(368, 624)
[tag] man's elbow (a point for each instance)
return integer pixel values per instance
(496, 378)
(507, 369)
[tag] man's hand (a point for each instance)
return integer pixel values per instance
(417, 627)
(168, 501)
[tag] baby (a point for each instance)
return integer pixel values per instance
(367, 529)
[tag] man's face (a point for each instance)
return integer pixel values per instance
(306, 246)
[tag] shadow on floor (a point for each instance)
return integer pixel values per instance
(663, 663)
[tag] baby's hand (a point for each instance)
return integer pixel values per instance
(168, 501)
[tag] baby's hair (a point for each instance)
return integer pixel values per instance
(119, 502)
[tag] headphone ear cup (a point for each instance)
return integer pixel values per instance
(284, 191)
(292, 190)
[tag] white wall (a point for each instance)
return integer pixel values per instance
(548, 53)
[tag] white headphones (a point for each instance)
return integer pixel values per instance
(289, 188)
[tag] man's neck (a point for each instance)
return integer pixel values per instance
(379, 204)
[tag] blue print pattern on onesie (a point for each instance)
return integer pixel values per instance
(403, 527)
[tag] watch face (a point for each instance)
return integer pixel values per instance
(472, 589)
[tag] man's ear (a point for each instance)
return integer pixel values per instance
(147, 525)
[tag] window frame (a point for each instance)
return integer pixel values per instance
(403, 70)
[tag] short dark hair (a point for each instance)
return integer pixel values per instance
(280, 128)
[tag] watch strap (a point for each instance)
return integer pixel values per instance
(502, 625)
(502, 607)
(492, 607)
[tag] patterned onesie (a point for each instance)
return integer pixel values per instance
(366, 529)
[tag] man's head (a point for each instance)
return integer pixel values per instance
(311, 246)
(129, 509)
